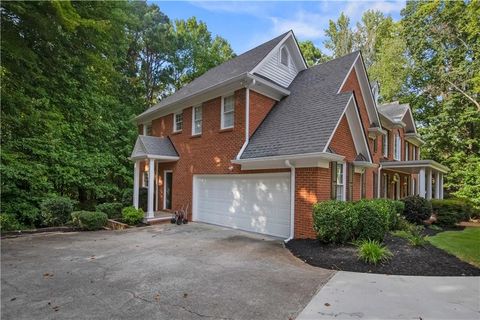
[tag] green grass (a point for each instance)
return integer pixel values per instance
(463, 244)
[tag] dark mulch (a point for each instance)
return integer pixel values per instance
(406, 260)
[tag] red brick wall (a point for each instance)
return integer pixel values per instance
(260, 106)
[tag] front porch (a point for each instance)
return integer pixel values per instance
(425, 178)
(148, 153)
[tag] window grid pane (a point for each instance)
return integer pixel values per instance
(197, 120)
(228, 112)
(178, 121)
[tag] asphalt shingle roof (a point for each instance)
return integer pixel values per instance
(304, 121)
(235, 67)
(394, 110)
(158, 146)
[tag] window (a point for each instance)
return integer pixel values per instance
(375, 145)
(363, 179)
(284, 56)
(385, 185)
(197, 120)
(385, 139)
(339, 182)
(406, 151)
(147, 129)
(414, 153)
(397, 147)
(375, 185)
(178, 121)
(145, 179)
(228, 111)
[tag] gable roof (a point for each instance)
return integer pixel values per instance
(153, 146)
(304, 121)
(232, 68)
(394, 110)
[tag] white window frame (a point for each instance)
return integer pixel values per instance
(175, 129)
(195, 120)
(222, 115)
(280, 57)
(397, 147)
(385, 145)
(147, 129)
(344, 181)
(406, 151)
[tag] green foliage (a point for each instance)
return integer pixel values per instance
(8, 222)
(414, 237)
(340, 36)
(311, 53)
(132, 216)
(89, 220)
(449, 212)
(56, 211)
(127, 197)
(417, 209)
(373, 252)
(435, 227)
(334, 221)
(112, 209)
(373, 221)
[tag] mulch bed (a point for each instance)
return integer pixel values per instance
(406, 260)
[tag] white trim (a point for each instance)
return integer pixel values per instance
(292, 201)
(136, 183)
(157, 171)
(247, 122)
(165, 188)
(222, 111)
(193, 120)
(336, 126)
(415, 164)
(348, 73)
(280, 63)
(152, 156)
(324, 155)
(151, 186)
(175, 129)
(366, 146)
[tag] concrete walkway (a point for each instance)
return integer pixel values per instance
(350, 295)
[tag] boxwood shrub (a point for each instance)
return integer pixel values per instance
(132, 216)
(335, 221)
(56, 211)
(112, 209)
(374, 219)
(89, 220)
(451, 211)
(417, 209)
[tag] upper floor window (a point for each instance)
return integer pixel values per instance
(284, 56)
(397, 147)
(375, 142)
(147, 129)
(178, 121)
(385, 139)
(228, 112)
(197, 120)
(406, 151)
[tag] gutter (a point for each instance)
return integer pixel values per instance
(247, 119)
(292, 200)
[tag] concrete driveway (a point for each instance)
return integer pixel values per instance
(194, 271)
(350, 295)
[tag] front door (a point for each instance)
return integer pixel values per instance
(167, 201)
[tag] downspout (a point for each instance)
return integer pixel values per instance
(247, 119)
(292, 200)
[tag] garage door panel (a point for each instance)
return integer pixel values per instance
(258, 203)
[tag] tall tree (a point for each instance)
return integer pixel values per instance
(311, 53)
(340, 36)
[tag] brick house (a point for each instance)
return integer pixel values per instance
(256, 141)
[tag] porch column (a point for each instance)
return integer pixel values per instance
(136, 182)
(411, 191)
(441, 186)
(437, 185)
(421, 183)
(429, 184)
(151, 187)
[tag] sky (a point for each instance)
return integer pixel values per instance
(248, 24)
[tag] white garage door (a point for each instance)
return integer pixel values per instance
(251, 202)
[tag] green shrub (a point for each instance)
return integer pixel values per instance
(8, 222)
(417, 209)
(372, 251)
(112, 209)
(373, 220)
(334, 221)
(127, 197)
(449, 211)
(414, 238)
(435, 227)
(56, 211)
(89, 220)
(132, 216)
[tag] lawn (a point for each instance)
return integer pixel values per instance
(463, 244)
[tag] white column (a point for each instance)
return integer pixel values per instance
(151, 187)
(437, 185)
(136, 182)
(421, 183)
(429, 184)
(411, 191)
(441, 186)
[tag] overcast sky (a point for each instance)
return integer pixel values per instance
(247, 24)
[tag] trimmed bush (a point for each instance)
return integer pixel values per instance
(449, 211)
(372, 251)
(373, 220)
(56, 211)
(390, 209)
(112, 209)
(89, 220)
(127, 197)
(132, 216)
(8, 222)
(417, 209)
(335, 221)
